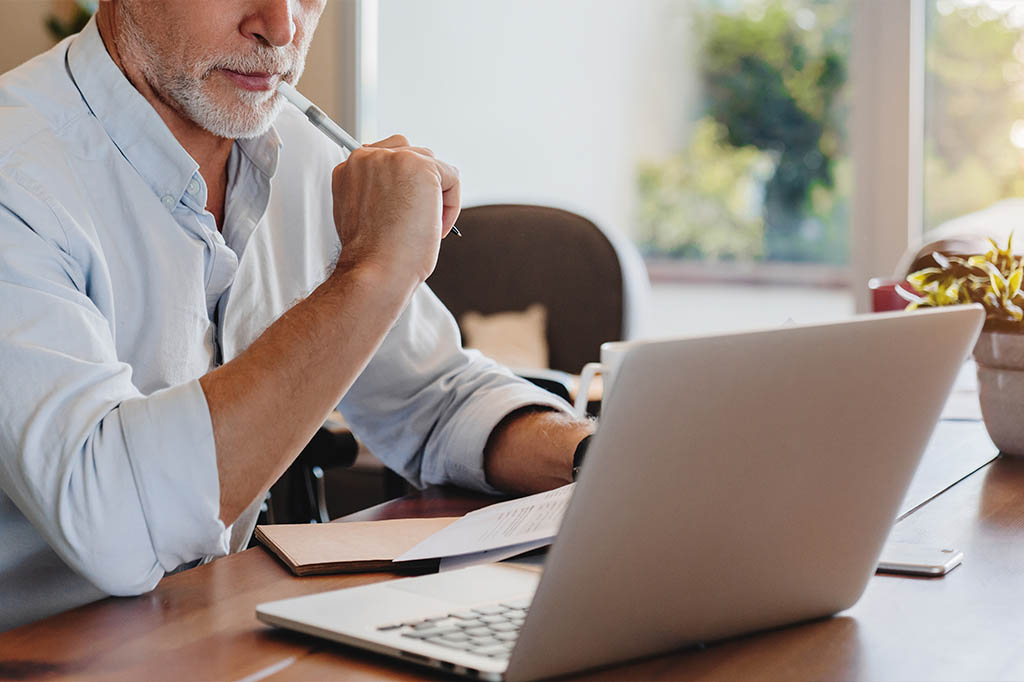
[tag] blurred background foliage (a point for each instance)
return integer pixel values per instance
(764, 176)
(776, 97)
(70, 19)
(974, 126)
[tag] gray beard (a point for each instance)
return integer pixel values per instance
(250, 116)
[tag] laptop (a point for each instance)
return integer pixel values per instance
(736, 483)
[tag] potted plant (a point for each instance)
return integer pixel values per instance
(993, 279)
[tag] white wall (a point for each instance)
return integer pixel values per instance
(545, 101)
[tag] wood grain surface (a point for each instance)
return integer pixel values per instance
(201, 624)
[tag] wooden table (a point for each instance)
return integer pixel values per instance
(200, 624)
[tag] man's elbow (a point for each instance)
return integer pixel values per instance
(122, 579)
(119, 563)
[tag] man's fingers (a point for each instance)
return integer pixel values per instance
(391, 142)
(449, 216)
(387, 144)
(451, 194)
(447, 174)
(423, 150)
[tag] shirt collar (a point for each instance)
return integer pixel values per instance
(136, 128)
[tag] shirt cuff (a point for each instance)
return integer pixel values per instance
(465, 468)
(174, 461)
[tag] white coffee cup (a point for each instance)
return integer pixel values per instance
(612, 353)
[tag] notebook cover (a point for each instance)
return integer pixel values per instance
(356, 547)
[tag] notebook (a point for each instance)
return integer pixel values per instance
(361, 546)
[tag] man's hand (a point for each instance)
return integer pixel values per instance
(393, 204)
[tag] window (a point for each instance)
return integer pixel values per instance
(765, 172)
(974, 107)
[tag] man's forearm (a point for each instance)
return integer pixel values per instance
(268, 402)
(531, 450)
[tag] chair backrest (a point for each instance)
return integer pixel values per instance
(513, 255)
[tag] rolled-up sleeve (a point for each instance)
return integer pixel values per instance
(426, 406)
(122, 485)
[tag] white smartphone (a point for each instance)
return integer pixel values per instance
(909, 559)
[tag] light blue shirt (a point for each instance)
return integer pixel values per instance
(117, 292)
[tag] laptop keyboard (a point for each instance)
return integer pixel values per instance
(485, 630)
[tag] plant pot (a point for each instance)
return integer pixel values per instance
(1000, 360)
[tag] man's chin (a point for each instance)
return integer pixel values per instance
(235, 127)
(249, 115)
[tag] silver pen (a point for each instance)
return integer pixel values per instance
(324, 123)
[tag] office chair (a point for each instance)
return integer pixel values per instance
(592, 283)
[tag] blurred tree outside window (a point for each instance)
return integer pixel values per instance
(765, 175)
(974, 111)
(70, 18)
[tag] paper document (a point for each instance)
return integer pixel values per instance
(490, 556)
(524, 521)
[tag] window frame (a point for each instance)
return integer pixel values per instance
(887, 138)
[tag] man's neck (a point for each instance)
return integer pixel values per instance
(210, 151)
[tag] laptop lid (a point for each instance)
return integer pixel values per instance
(740, 482)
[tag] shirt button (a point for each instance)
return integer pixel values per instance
(193, 187)
(168, 201)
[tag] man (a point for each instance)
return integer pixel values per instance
(176, 316)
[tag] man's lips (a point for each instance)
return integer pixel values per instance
(256, 81)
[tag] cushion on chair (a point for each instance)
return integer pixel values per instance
(516, 339)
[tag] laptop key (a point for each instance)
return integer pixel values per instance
(427, 634)
(506, 636)
(447, 623)
(496, 651)
(484, 642)
(460, 646)
(465, 615)
(475, 623)
(490, 610)
(456, 637)
(493, 619)
(478, 632)
(505, 627)
(423, 625)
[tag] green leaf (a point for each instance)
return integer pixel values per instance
(1015, 281)
(922, 277)
(998, 283)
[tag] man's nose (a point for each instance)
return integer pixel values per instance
(272, 22)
